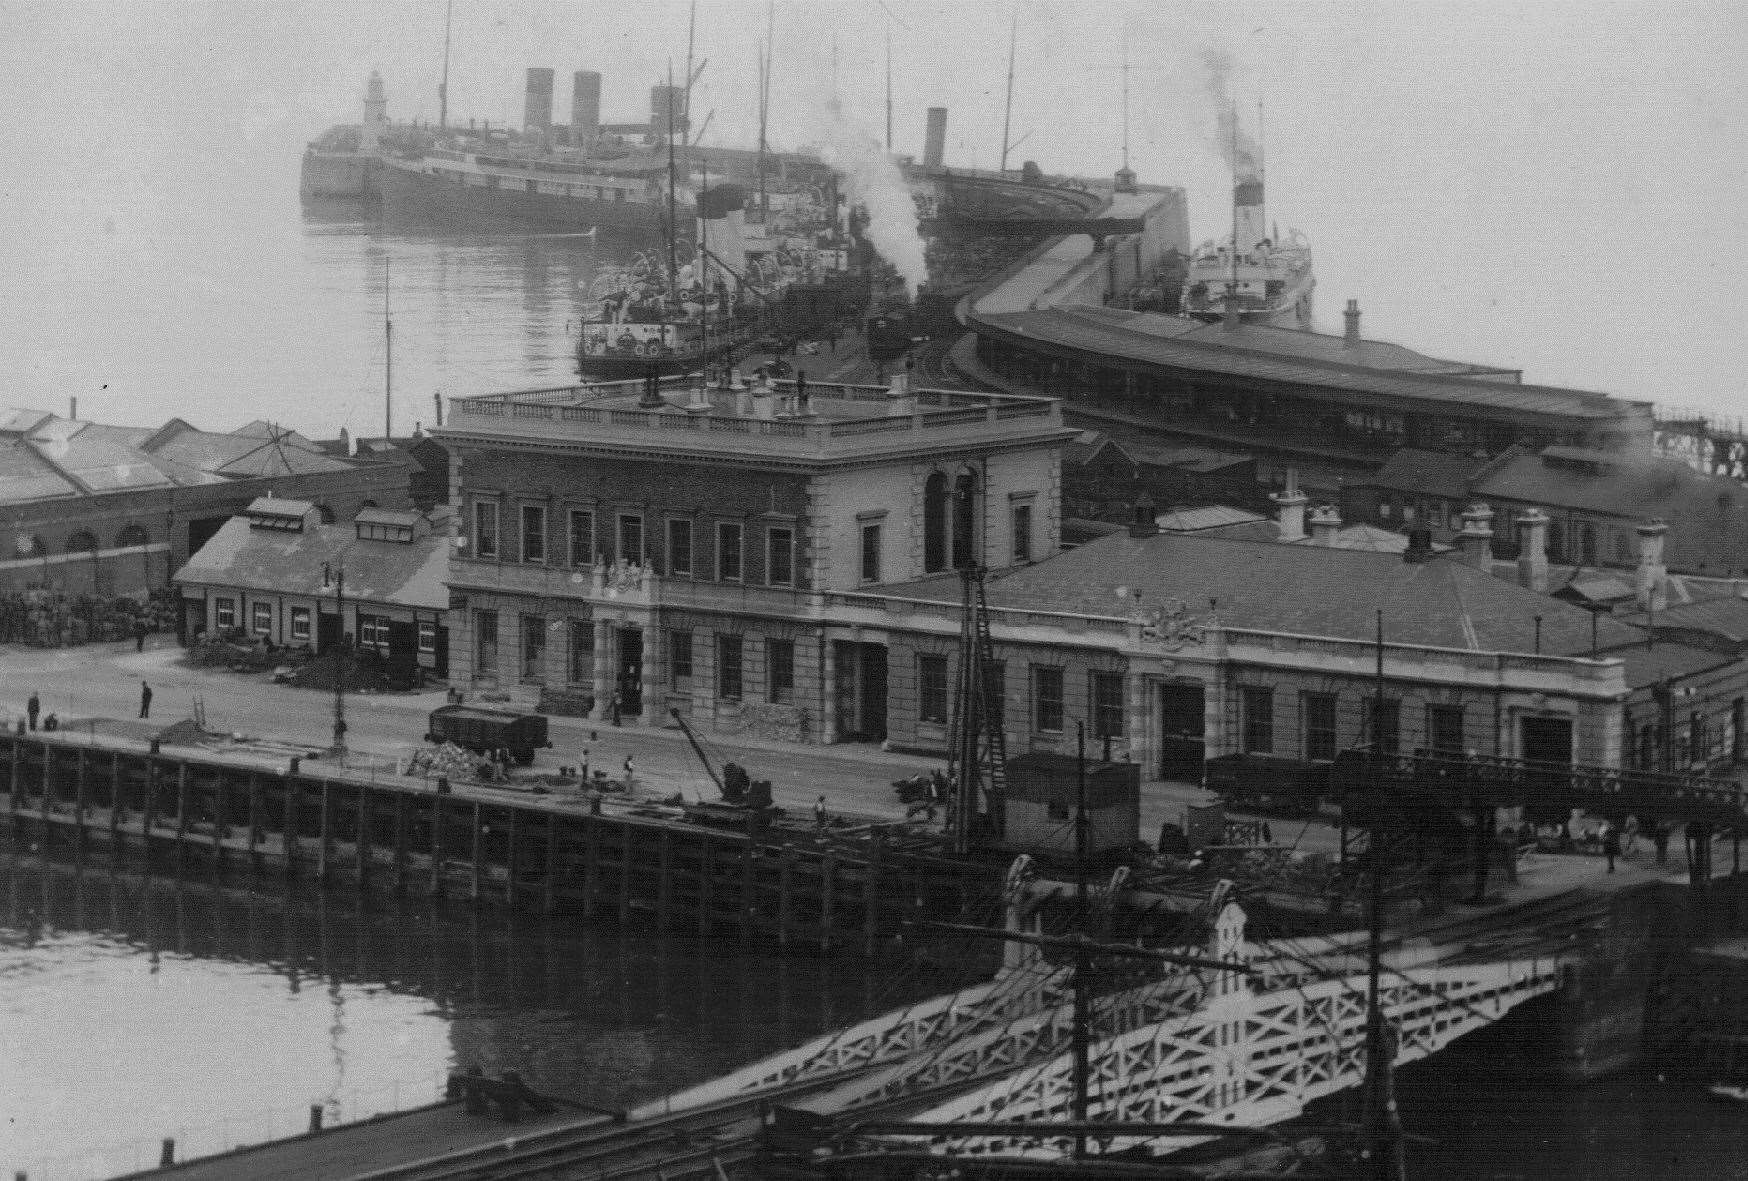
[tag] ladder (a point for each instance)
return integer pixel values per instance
(977, 747)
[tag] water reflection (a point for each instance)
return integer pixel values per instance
(135, 1005)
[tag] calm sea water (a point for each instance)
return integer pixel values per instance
(133, 1008)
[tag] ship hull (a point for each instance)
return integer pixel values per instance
(420, 198)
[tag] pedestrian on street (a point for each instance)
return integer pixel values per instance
(1660, 840)
(615, 707)
(630, 773)
(140, 636)
(819, 814)
(1611, 843)
(33, 707)
(1629, 835)
(585, 765)
(145, 700)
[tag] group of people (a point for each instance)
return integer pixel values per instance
(33, 710)
(1613, 841)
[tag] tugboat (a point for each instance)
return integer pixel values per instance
(1256, 275)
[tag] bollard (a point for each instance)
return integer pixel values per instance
(157, 746)
(315, 1117)
(167, 1154)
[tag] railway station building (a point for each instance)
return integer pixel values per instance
(784, 563)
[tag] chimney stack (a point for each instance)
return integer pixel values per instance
(1292, 505)
(1144, 520)
(1325, 523)
(1653, 579)
(1532, 550)
(1351, 337)
(935, 139)
(1476, 539)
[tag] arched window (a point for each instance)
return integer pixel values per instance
(131, 537)
(935, 523)
(965, 520)
(82, 542)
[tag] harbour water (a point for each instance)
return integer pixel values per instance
(134, 1008)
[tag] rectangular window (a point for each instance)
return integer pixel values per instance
(533, 533)
(1259, 721)
(680, 547)
(1319, 709)
(630, 537)
(1023, 532)
(261, 618)
(871, 553)
(580, 660)
(728, 652)
(1106, 691)
(728, 552)
(780, 557)
(533, 645)
(427, 635)
(1383, 720)
(1444, 729)
(373, 631)
(780, 671)
(300, 623)
(931, 678)
(680, 657)
(1047, 699)
(224, 613)
(485, 529)
(485, 643)
(582, 537)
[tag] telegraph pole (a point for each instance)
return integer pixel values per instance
(337, 578)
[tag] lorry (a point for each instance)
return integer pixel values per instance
(483, 730)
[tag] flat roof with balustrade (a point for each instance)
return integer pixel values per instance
(832, 424)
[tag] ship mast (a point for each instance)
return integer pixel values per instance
(765, 108)
(1008, 110)
(673, 210)
(443, 86)
(388, 369)
(889, 84)
(1232, 283)
(1125, 104)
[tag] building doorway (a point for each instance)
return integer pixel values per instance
(861, 691)
(631, 670)
(1183, 744)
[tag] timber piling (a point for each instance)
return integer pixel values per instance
(195, 814)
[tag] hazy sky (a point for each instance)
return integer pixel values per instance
(1552, 186)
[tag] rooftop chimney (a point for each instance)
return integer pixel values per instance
(1653, 579)
(1325, 523)
(900, 402)
(1144, 520)
(1532, 550)
(1292, 504)
(1351, 337)
(585, 107)
(1476, 539)
(651, 397)
(1419, 548)
(935, 139)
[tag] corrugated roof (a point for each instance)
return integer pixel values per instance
(1205, 517)
(410, 575)
(1305, 590)
(1092, 330)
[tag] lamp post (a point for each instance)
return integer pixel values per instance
(336, 578)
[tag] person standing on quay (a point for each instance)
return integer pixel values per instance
(1611, 843)
(33, 707)
(145, 700)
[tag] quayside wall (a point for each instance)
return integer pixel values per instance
(188, 813)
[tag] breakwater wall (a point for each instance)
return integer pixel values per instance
(188, 813)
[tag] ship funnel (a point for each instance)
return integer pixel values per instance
(935, 140)
(1248, 213)
(537, 109)
(585, 108)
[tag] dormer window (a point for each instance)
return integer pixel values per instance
(277, 514)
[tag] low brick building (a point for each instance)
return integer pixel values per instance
(279, 575)
(88, 508)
